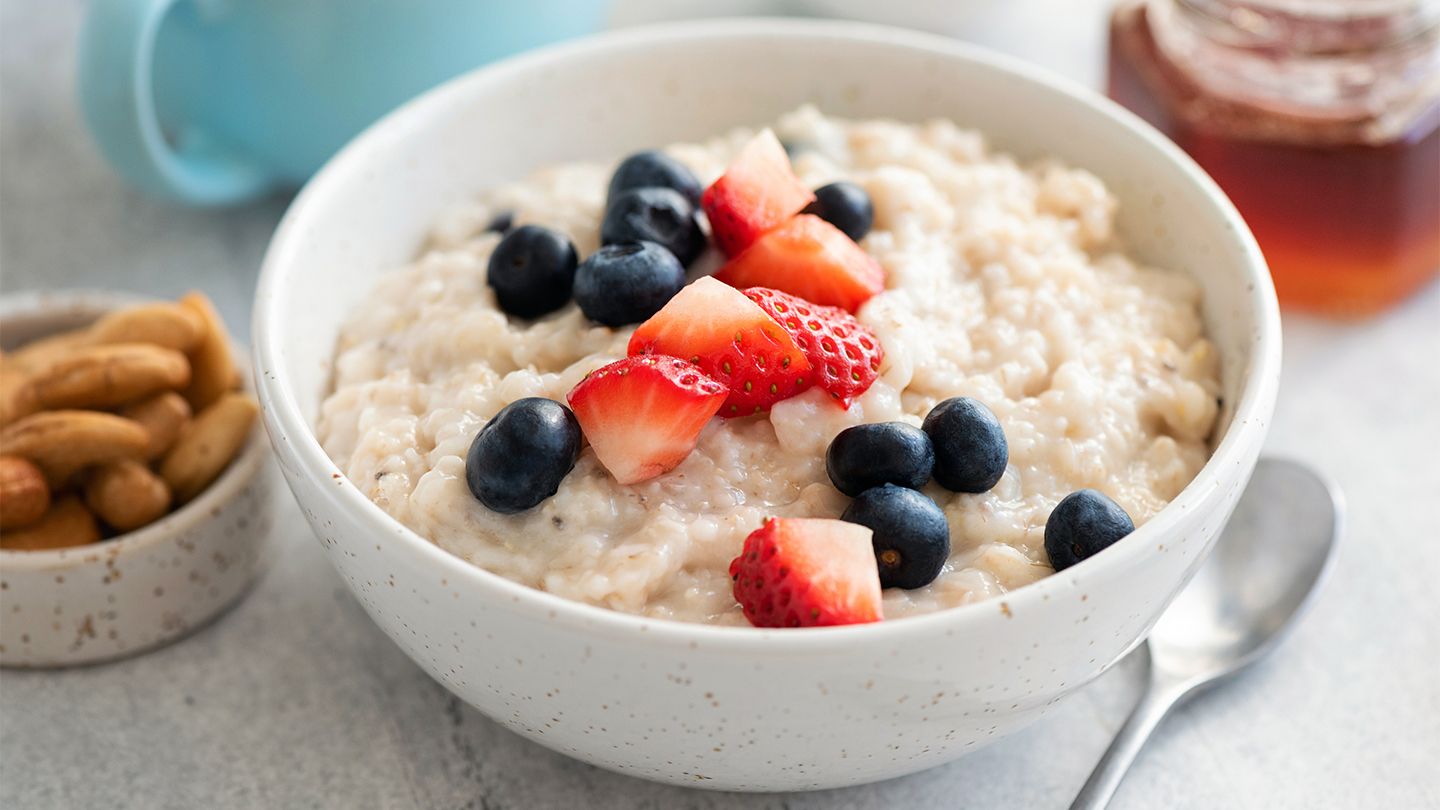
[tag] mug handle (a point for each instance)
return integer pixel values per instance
(117, 49)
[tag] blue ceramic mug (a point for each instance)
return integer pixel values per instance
(219, 101)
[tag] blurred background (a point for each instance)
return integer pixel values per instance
(1320, 124)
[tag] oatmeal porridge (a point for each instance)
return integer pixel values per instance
(1003, 283)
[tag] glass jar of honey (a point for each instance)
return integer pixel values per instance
(1319, 118)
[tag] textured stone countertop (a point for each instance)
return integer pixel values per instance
(294, 699)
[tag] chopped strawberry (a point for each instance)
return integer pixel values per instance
(807, 572)
(731, 339)
(811, 258)
(845, 354)
(757, 192)
(642, 415)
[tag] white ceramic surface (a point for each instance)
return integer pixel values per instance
(144, 588)
(740, 708)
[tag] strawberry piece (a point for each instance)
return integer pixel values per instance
(757, 192)
(844, 353)
(642, 415)
(811, 258)
(807, 572)
(732, 340)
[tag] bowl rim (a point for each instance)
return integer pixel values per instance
(241, 470)
(294, 436)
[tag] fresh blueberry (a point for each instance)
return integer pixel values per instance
(866, 456)
(910, 534)
(970, 447)
(658, 215)
(532, 271)
(846, 206)
(651, 169)
(627, 283)
(502, 222)
(520, 457)
(1084, 523)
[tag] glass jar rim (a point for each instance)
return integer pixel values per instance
(1395, 25)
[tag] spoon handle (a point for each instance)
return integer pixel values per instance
(1154, 704)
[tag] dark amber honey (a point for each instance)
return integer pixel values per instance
(1348, 225)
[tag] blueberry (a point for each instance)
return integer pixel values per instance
(970, 447)
(627, 283)
(532, 271)
(651, 169)
(658, 215)
(1084, 523)
(911, 537)
(502, 222)
(866, 456)
(520, 457)
(846, 206)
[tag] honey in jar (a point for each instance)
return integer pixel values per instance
(1319, 118)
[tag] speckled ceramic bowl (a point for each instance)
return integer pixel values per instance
(144, 588)
(731, 707)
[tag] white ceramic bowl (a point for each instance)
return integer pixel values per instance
(144, 588)
(725, 707)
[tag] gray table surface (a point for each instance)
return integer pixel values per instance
(294, 699)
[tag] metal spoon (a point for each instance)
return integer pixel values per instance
(1267, 564)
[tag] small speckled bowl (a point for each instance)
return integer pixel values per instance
(144, 588)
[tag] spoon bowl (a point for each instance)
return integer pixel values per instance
(1262, 573)
(1261, 576)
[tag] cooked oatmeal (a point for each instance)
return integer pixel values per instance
(1004, 283)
